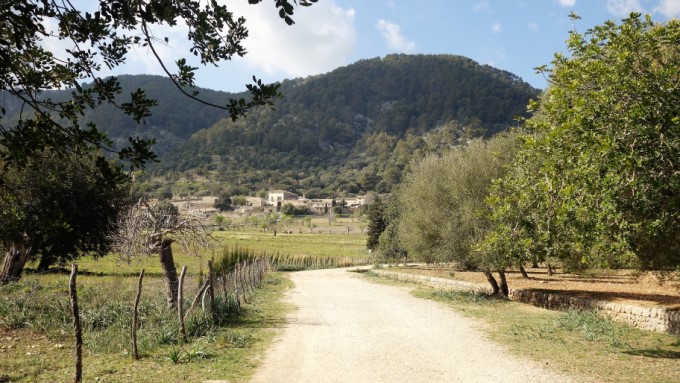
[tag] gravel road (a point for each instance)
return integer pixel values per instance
(349, 330)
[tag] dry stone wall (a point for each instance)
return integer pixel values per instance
(658, 319)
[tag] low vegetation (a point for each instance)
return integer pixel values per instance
(36, 322)
(36, 332)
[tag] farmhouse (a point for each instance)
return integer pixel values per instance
(278, 198)
(275, 197)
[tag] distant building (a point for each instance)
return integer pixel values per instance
(354, 203)
(276, 196)
(255, 201)
(320, 206)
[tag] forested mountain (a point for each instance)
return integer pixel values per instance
(172, 122)
(352, 130)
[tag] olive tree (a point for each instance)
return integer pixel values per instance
(145, 230)
(442, 205)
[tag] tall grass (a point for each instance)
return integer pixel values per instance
(41, 303)
(285, 262)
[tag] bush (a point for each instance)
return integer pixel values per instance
(223, 203)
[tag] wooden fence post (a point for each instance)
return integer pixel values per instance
(73, 294)
(180, 299)
(135, 312)
(213, 311)
(239, 273)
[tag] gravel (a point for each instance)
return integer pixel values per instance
(346, 329)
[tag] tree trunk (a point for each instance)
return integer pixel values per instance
(504, 284)
(169, 272)
(213, 311)
(492, 282)
(180, 301)
(534, 264)
(550, 270)
(135, 314)
(13, 265)
(46, 260)
(523, 272)
(77, 329)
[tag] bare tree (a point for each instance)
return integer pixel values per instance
(145, 230)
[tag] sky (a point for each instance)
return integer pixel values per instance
(513, 35)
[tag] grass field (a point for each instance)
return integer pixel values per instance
(323, 244)
(36, 333)
(36, 337)
(340, 244)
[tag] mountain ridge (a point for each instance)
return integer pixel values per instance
(354, 129)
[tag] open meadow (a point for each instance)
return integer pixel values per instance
(36, 331)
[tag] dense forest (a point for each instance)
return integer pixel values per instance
(173, 120)
(349, 131)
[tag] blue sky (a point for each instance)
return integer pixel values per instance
(514, 35)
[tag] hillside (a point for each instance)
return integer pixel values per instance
(352, 130)
(172, 122)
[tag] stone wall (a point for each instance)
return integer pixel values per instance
(656, 318)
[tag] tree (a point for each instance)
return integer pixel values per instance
(331, 217)
(167, 211)
(165, 194)
(144, 230)
(287, 220)
(376, 223)
(105, 37)
(307, 221)
(596, 182)
(442, 209)
(55, 209)
(55, 127)
(389, 243)
(288, 209)
(223, 203)
(219, 220)
(239, 200)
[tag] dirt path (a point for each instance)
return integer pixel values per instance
(349, 330)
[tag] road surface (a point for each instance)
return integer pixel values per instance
(349, 330)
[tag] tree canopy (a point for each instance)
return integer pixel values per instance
(442, 202)
(103, 39)
(597, 183)
(58, 210)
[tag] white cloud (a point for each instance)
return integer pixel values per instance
(623, 8)
(392, 34)
(567, 3)
(481, 5)
(669, 8)
(321, 39)
(142, 60)
(496, 28)
(533, 27)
